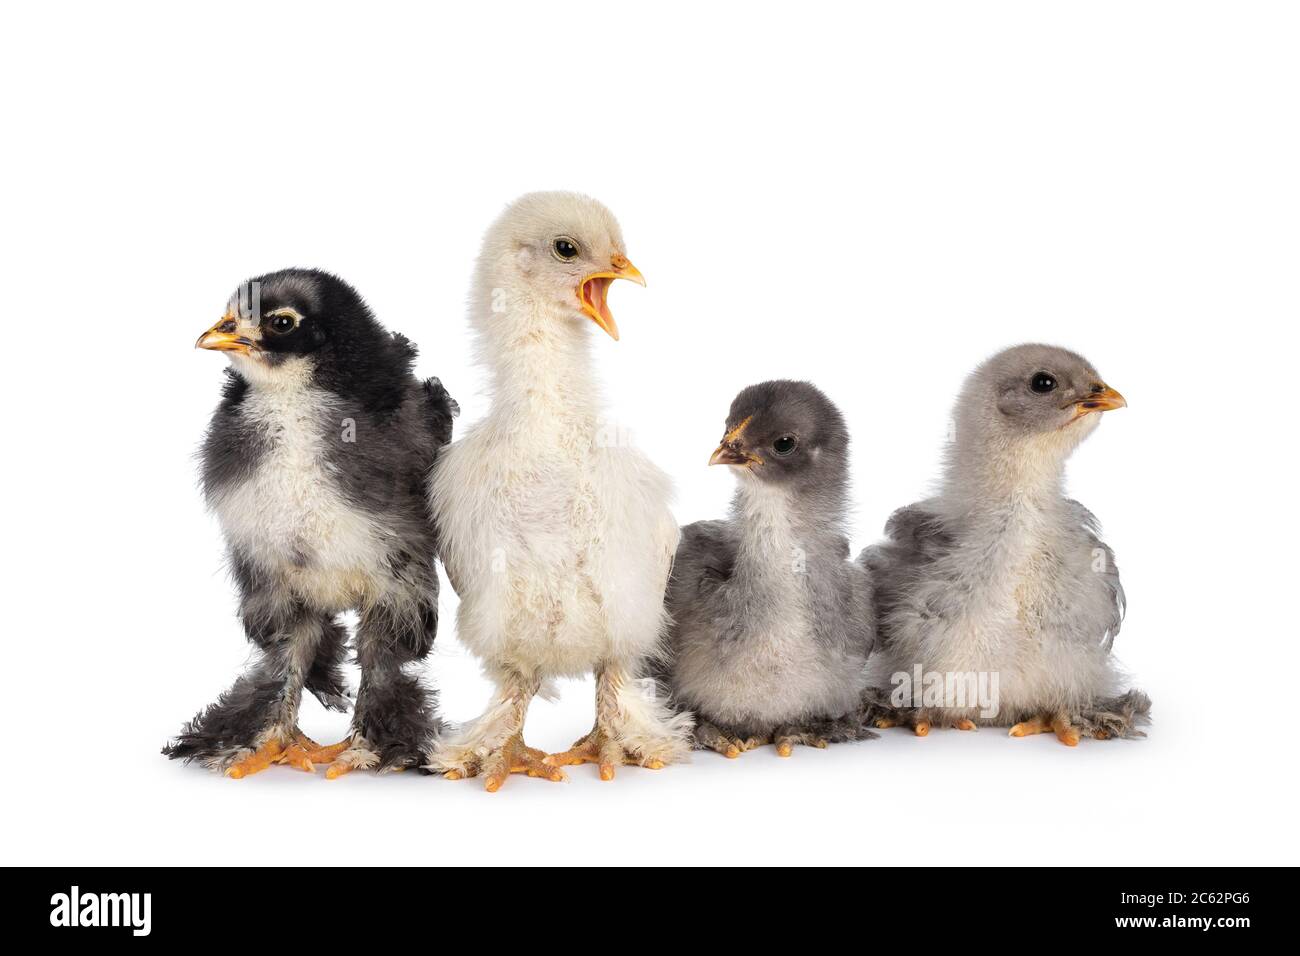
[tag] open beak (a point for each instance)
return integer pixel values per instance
(225, 337)
(594, 289)
(730, 451)
(1102, 399)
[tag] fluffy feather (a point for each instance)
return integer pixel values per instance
(772, 624)
(315, 464)
(557, 538)
(1000, 573)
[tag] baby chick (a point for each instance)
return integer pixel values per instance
(772, 624)
(315, 464)
(1000, 573)
(556, 535)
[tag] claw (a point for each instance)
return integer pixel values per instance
(1065, 733)
(1027, 728)
(298, 758)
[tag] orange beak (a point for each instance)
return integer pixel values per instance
(225, 337)
(1103, 399)
(594, 289)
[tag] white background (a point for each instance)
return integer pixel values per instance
(873, 198)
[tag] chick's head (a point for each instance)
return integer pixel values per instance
(284, 322)
(1037, 395)
(785, 432)
(558, 252)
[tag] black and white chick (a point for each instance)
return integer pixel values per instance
(315, 463)
(1001, 574)
(771, 621)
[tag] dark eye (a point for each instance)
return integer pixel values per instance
(784, 445)
(1043, 382)
(565, 248)
(280, 324)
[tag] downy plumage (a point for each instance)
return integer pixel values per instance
(556, 535)
(771, 621)
(1002, 574)
(315, 463)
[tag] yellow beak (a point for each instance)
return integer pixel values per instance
(225, 337)
(594, 289)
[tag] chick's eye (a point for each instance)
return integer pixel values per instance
(281, 324)
(784, 445)
(1043, 383)
(565, 248)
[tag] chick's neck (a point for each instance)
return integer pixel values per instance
(538, 357)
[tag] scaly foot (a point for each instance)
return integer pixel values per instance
(513, 756)
(599, 748)
(257, 761)
(787, 737)
(304, 753)
(709, 736)
(301, 753)
(1045, 723)
(915, 724)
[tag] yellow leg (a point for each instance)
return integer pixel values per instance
(919, 727)
(602, 746)
(965, 724)
(257, 761)
(515, 756)
(1027, 728)
(304, 753)
(710, 737)
(599, 749)
(1065, 733)
(785, 742)
(1057, 724)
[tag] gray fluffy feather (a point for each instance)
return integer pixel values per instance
(1000, 572)
(771, 623)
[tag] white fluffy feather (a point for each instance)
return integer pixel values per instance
(558, 543)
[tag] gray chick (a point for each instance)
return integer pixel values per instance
(1000, 576)
(771, 621)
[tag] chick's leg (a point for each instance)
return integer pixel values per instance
(911, 719)
(709, 736)
(630, 729)
(395, 723)
(493, 745)
(786, 738)
(1058, 724)
(254, 724)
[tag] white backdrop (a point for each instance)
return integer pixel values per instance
(871, 197)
